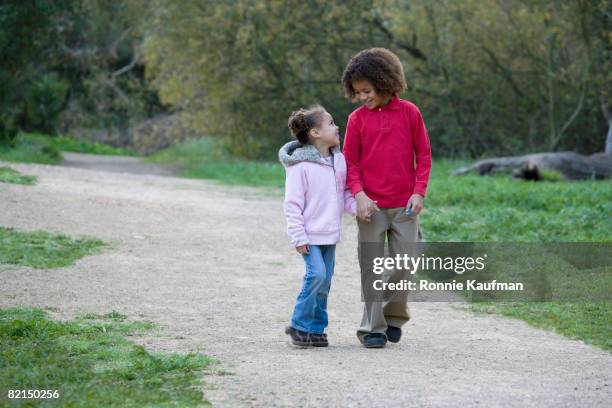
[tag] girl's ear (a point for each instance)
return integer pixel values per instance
(314, 133)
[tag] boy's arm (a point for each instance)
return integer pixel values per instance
(352, 154)
(295, 189)
(422, 154)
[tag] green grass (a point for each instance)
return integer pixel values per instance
(45, 149)
(469, 209)
(91, 363)
(71, 144)
(502, 209)
(40, 249)
(9, 175)
(31, 148)
(589, 321)
(205, 159)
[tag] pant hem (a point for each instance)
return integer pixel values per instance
(302, 328)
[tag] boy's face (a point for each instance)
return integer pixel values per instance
(366, 94)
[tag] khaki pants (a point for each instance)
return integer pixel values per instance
(400, 231)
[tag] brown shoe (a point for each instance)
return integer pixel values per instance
(298, 337)
(319, 340)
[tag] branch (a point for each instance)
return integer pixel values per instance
(135, 58)
(506, 73)
(411, 49)
(79, 53)
(571, 118)
(604, 108)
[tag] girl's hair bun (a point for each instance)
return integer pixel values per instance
(303, 120)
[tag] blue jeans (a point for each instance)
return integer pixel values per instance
(310, 312)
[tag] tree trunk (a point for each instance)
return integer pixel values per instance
(608, 116)
(572, 166)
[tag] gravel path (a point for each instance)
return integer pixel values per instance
(212, 265)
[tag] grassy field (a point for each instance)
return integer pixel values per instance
(44, 149)
(90, 363)
(9, 175)
(41, 249)
(205, 159)
(470, 209)
(71, 144)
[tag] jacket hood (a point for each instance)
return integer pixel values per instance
(294, 152)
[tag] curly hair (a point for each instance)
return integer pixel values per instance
(380, 67)
(302, 121)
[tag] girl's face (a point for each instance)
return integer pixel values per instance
(327, 132)
(366, 94)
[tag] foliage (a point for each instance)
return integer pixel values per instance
(31, 148)
(71, 64)
(243, 66)
(490, 77)
(28, 38)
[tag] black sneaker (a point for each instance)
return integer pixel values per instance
(374, 340)
(394, 334)
(319, 340)
(298, 337)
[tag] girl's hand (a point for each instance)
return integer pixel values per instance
(303, 249)
(365, 206)
(415, 202)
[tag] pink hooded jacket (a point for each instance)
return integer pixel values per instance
(316, 194)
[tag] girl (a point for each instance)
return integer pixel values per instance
(389, 159)
(315, 198)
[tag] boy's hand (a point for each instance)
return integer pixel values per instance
(365, 206)
(415, 203)
(303, 249)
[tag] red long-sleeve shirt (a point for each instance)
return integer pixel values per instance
(387, 152)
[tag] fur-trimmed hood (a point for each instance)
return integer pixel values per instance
(295, 152)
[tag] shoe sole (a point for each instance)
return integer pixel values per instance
(374, 345)
(301, 344)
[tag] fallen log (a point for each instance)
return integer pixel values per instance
(571, 165)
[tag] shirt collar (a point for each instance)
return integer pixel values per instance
(393, 105)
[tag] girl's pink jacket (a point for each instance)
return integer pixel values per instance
(315, 194)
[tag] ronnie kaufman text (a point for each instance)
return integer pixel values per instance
(454, 285)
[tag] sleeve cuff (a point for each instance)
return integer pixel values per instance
(420, 188)
(299, 242)
(356, 188)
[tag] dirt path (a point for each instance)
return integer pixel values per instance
(117, 164)
(213, 267)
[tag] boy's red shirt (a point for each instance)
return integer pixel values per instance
(387, 152)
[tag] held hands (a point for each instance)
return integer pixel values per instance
(303, 249)
(415, 204)
(365, 206)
